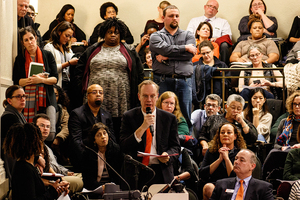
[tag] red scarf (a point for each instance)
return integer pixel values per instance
(36, 93)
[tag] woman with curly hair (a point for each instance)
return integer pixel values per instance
(218, 160)
(168, 101)
(115, 67)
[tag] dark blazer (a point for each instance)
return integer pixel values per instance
(166, 137)
(80, 122)
(113, 156)
(257, 190)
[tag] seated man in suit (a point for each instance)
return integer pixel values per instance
(83, 118)
(154, 133)
(243, 186)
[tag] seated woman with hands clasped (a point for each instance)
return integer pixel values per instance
(218, 160)
(255, 55)
(24, 143)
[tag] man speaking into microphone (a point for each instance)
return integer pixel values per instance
(136, 135)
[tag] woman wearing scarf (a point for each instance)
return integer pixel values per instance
(38, 87)
(287, 136)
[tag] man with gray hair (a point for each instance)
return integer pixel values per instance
(211, 107)
(243, 186)
(233, 114)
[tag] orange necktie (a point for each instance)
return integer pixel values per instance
(240, 193)
(148, 147)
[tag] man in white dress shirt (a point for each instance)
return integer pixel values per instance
(220, 26)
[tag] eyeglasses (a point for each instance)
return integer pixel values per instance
(96, 92)
(203, 54)
(19, 97)
(44, 126)
(211, 105)
(213, 7)
(32, 14)
(257, 5)
(296, 104)
(168, 103)
(254, 55)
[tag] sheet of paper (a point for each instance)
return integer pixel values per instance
(142, 154)
(63, 197)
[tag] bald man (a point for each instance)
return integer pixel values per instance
(83, 118)
(23, 19)
(243, 186)
(221, 28)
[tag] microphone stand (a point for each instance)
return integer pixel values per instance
(129, 194)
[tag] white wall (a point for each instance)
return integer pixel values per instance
(135, 13)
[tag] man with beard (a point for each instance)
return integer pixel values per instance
(83, 118)
(172, 50)
(211, 107)
(243, 186)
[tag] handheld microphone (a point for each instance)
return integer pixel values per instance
(148, 111)
(84, 146)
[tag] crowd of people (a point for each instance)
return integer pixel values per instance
(89, 105)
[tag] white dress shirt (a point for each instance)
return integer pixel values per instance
(220, 26)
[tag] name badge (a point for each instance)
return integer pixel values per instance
(229, 190)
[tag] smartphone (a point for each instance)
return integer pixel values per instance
(256, 82)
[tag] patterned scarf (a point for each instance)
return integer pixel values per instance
(284, 138)
(36, 93)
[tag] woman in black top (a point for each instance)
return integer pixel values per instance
(23, 142)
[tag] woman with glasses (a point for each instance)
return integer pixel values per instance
(270, 52)
(204, 32)
(269, 84)
(39, 87)
(59, 46)
(14, 103)
(286, 137)
(205, 69)
(269, 23)
(168, 101)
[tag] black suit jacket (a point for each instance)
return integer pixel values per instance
(166, 137)
(257, 190)
(80, 122)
